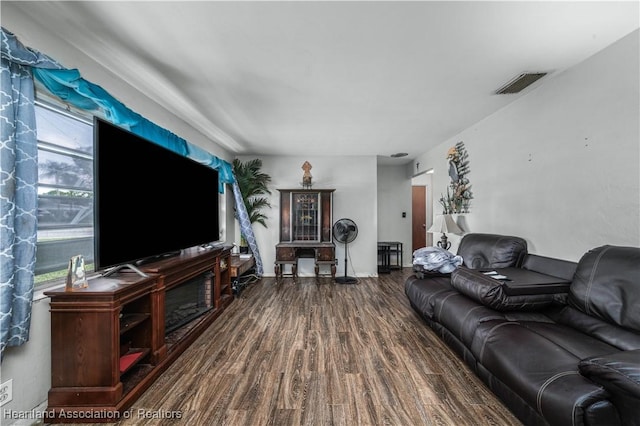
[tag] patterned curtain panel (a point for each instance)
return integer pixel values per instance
(18, 190)
(246, 229)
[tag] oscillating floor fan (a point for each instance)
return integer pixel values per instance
(345, 231)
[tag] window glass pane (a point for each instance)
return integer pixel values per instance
(58, 129)
(59, 208)
(65, 192)
(305, 217)
(64, 170)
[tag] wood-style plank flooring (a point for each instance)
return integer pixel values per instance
(313, 352)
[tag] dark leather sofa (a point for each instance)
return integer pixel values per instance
(561, 346)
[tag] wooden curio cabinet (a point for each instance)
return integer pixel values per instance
(306, 217)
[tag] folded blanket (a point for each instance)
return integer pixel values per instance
(436, 259)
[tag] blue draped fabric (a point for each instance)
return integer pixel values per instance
(225, 171)
(69, 86)
(18, 188)
(246, 229)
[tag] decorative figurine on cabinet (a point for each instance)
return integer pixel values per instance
(306, 177)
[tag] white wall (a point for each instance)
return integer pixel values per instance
(394, 198)
(559, 166)
(354, 178)
(29, 365)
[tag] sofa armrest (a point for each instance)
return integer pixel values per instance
(619, 373)
(550, 266)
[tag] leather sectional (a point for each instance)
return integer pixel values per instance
(558, 342)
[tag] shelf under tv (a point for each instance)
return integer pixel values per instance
(108, 342)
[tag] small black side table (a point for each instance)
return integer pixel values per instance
(395, 250)
(384, 258)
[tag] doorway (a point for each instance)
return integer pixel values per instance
(419, 216)
(421, 210)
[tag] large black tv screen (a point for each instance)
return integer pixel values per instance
(149, 201)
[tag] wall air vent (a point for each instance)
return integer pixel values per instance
(520, 82)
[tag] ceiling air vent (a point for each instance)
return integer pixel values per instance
(520, 82)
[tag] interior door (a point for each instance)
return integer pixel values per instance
(419, 215)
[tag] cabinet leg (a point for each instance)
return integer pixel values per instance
(276, 269)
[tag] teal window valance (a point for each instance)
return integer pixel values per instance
(68, 85)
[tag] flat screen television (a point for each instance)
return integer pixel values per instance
(149, 201)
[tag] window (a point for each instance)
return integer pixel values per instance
(65, 190)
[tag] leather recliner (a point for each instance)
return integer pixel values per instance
(574, 360)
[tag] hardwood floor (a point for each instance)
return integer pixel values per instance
(314, 352)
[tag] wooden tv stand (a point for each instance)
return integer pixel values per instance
(108, 341)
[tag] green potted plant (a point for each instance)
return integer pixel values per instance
(253, 184)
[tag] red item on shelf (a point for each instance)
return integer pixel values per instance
(127, 360)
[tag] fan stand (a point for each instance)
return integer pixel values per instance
(346, 279)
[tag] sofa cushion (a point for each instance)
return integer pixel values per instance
(606, 285)
(461, 315)
(491, 251)
(421, 292)
(495, 294)
(538, 361)
(612, 334)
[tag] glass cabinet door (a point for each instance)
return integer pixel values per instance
(305, 216)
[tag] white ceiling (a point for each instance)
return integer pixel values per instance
(337, 78)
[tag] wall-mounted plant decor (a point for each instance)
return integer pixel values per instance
(458, 198)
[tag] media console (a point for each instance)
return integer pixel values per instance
(109, 341)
